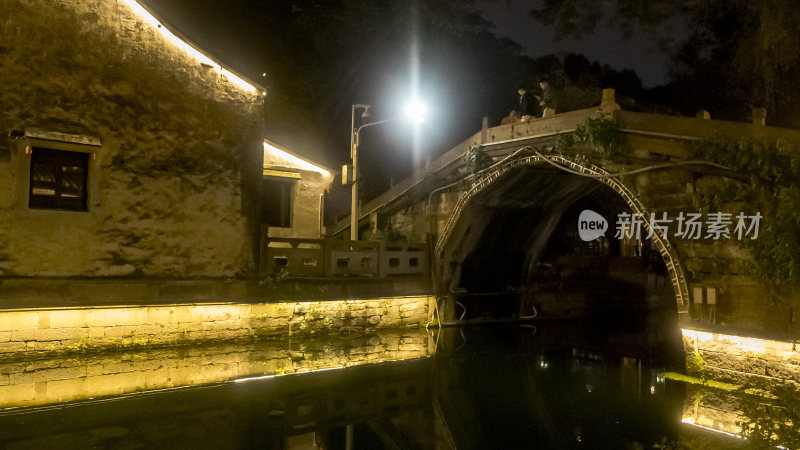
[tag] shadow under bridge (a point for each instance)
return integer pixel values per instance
(513, 249)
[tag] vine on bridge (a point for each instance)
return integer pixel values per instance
(774, 170)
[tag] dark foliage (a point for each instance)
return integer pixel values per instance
(729, 56)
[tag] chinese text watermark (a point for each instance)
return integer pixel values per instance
(715, 226)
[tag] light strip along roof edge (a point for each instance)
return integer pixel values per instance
(149, 16)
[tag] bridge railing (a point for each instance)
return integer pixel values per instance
(321, 258)
(403, 258)
(436, 172)
(353, 258)
(297, 256)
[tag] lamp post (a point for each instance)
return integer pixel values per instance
(414, 109)
(354, 209)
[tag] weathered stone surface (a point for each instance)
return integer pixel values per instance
(180, 150)
(48, 375)
(130, 327)
(12, 347)
(17, 394)
(18, 320)
(741, 360)
(67, 319)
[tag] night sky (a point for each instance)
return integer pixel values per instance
(230, 31)
(511, 18)
(233, 32)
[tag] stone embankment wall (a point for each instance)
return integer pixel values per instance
(46, 381)
(174, 182)
(741, 360)
(25, 333)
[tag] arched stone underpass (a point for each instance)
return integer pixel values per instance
(515, 233)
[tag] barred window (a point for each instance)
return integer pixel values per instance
(58, 179)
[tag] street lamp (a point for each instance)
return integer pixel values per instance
(415, 110)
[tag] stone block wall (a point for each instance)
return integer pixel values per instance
(174, 180)
(724, 265)
(42, 331)
(741, 360)
(418, 220)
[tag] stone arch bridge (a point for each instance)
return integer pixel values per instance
(517, 219)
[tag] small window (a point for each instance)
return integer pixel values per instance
(58, 179)
(280, 261)
(276, 208)
(309, 262)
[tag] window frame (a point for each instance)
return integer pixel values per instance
(55, 161)
(22, 167)
(290, 184)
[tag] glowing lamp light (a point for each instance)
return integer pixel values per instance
(191, 50)
(416, 111)
(294, 160)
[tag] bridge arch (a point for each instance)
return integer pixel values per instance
(519, 159)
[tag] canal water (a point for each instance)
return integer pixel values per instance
(534, 385)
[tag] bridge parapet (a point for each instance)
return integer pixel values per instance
(329, 258)
(651, 137)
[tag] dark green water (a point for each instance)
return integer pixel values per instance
(507, 387)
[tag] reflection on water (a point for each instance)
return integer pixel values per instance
(764, 419)
(545, 386)
(42, 382)
(557, 387)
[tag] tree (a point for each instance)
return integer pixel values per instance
(579, 81)
(734, 55)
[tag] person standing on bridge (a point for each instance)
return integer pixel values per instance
(548, 99)
(526, 104)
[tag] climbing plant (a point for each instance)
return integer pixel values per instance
(599, 134)
(475, 160)
(603, 141)
(774, 169)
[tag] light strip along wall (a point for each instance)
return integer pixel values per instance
(193, 51)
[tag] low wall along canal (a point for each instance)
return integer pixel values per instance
(741, 360)
(29, 332)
